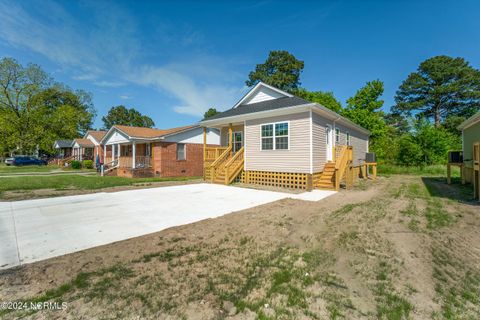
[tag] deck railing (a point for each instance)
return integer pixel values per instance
(234, 166)
(140, 162)
(343, 160)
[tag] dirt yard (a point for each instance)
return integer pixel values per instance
(403, 247)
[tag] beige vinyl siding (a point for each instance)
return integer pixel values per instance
(470, 136)
(224, 134)
(358, 141)
(319, 125)
(296, 159)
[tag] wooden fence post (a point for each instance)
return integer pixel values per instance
(309, 182)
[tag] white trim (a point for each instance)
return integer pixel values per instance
(258, 85)
(470, 121)
(184, 152)
(311, 142)
(329, 146)
(245, 145)
(274, 135)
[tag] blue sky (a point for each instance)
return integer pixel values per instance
(172, 60)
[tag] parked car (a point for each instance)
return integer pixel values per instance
(29, 161)
(9, 161)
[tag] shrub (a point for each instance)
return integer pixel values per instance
(88, 164)
(76, 164)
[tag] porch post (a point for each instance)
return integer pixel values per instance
(81, 153)
(113, 152)
(133, 154)
(230, 138)
(204, 143)
(104, 153)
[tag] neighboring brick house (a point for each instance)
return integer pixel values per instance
(140, 152)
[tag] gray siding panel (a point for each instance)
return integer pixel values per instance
(297, 159)
(358, 141)
(319, 141)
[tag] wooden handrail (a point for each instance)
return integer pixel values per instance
(221, 157)
(341, 164)
(231, 168)
(237, 154)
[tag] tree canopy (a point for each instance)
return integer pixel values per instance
(326, 99)
(210, 113)
(441, 87)
(281, 70)
(35, 111)
(120, 115)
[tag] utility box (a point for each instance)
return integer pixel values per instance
(370, 157)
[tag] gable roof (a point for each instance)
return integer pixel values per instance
(146, 133)
(259, 86)
(283, 105)
(470, 121)
(63, 143)
(96, 134)
(140, 132)
(261, 106)
(84, 143)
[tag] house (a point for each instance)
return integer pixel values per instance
(272, 137)
(88, 147)
(146, 152)
(63, 148)
(469, 158)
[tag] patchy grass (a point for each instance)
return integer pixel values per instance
(433, 170)
(393, 250)
(76, 182)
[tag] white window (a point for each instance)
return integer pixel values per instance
(275, 136)
(147, 149)
(348, 138)
(180, 151)
(337, 135)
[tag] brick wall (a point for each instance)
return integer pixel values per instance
(165, 161)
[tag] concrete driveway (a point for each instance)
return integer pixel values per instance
(34, 230)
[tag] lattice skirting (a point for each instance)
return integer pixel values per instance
(276, 179)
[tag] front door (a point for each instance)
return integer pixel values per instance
(237, 142)
(329, 141)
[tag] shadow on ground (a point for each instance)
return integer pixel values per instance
(438, 187)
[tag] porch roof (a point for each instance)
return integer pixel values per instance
(63, 144)
(140, 133)
(86, 143)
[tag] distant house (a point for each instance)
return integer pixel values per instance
(146, 152)
(470, 157)
(272, 137)
(63, 148)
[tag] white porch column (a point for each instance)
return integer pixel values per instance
(118, 152)
(104, 153)
(133, 154)
(113, 152)
(81, 151)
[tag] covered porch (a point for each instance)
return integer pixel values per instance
(130, 159)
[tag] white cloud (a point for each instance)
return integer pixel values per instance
(110, 84)
(110, 48)
(125, 97)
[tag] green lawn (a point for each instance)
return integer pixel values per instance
(75, 182)
(13, 169)
(433, 170)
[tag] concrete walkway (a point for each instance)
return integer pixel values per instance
(34, 230)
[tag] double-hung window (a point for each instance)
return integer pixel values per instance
(348, 138)
(180, 151)
(275, 136)
(337, 135)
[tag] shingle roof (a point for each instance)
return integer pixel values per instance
(84, 143)
(64, 143)
(97, 134)
(260, 106)
(139, 132)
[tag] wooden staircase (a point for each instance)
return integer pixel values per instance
(334, 172)
(226, 168)
(327, 179)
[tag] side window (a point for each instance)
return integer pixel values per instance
(180, 151)
(348, 138)
(147, 149)
(267, 137)
(281, 136)
(337, 135)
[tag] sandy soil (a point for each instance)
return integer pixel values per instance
(401, 247)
